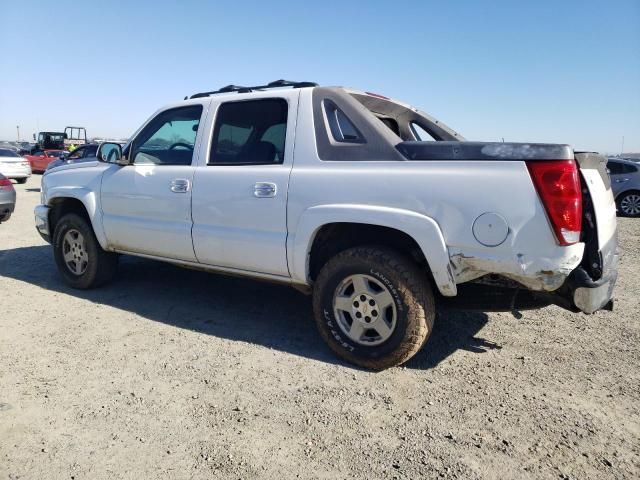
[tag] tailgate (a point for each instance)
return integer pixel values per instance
(593, 281)
(593, 168)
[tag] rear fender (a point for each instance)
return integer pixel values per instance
(424, 230)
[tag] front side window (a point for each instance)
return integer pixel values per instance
(91, 151)
(168, 139)
(250, 133)
(77, 153)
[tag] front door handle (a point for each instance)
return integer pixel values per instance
(179, 185)
(265, 190)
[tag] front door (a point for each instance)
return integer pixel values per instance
(240, 195)
(147, 205)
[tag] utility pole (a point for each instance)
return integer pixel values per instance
(18, 128)
(622, 148)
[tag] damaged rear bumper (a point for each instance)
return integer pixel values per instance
(589, 296)
(581, 293)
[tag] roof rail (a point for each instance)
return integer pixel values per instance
(240, 89)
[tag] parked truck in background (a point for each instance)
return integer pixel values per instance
(48, 141)
(75, 136)
(374, 207)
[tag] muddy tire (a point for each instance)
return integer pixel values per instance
(373, 306)
(79, 257)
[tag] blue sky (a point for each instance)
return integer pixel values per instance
(549, 71)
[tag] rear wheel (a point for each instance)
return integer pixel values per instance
(80, 259)
(373, 306)
(21, 180)
(629, 204)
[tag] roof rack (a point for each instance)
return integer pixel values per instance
(240, 89)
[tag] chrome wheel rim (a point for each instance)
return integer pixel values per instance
(630, 205)
(364, 310)
(74, 252)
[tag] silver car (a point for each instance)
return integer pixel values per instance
(14, 166)
(7, 198)
(625, 183)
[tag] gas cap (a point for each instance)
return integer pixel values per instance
(490, 229)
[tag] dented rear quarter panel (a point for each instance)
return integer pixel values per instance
(450, 193)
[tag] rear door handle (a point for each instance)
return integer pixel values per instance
(265, 190)
(622, 180)
(179, 185)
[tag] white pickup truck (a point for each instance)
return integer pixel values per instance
(371, 205)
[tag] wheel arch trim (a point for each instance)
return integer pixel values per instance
(88, 199)
(424, 230)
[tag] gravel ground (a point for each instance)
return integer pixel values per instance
(172, 373)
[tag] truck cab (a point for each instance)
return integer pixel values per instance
(49, 141)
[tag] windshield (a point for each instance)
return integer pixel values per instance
(5, 152)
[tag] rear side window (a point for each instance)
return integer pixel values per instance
(250, 133)
(342, 129)
(5, 152)
(420, 133)
(617, 168)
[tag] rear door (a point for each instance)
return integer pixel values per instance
(147, 205)
(240, 192)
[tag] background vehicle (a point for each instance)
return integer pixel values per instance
(7, 198)
(84, 153)
(40, 159)
(625, 183)
(74, 136)
(14, 166)
(9, 146)
(339, 193)
(49, 141)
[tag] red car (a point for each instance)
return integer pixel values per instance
(41, 158)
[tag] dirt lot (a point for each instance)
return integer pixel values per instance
(171, 373)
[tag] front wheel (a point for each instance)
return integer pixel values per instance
(373, 306)
(629, 204)
(80, 259)
(21, 180)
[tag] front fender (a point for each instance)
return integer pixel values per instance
(88, 199)
(424, 230)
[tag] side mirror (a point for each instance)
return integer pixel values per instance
(34, 137)
(111, 153)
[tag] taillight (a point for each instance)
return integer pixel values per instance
(558, 185)
(5, 184)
